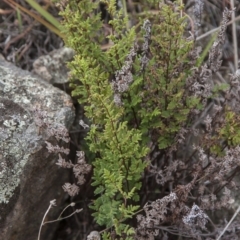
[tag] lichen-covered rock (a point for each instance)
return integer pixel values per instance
(29, 176)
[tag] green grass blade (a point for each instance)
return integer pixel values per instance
(45, 14)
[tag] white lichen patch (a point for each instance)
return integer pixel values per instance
(14, 146)
(14, 156)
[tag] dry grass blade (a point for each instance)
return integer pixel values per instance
(36, 17)
(216, 29)
(234, 33)
(233, 217)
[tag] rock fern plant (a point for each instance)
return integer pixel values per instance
(119, 152)
(142, 96)
(133, 94)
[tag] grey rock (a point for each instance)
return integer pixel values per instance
(53, 67)
(94, 235)
(29, 176)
